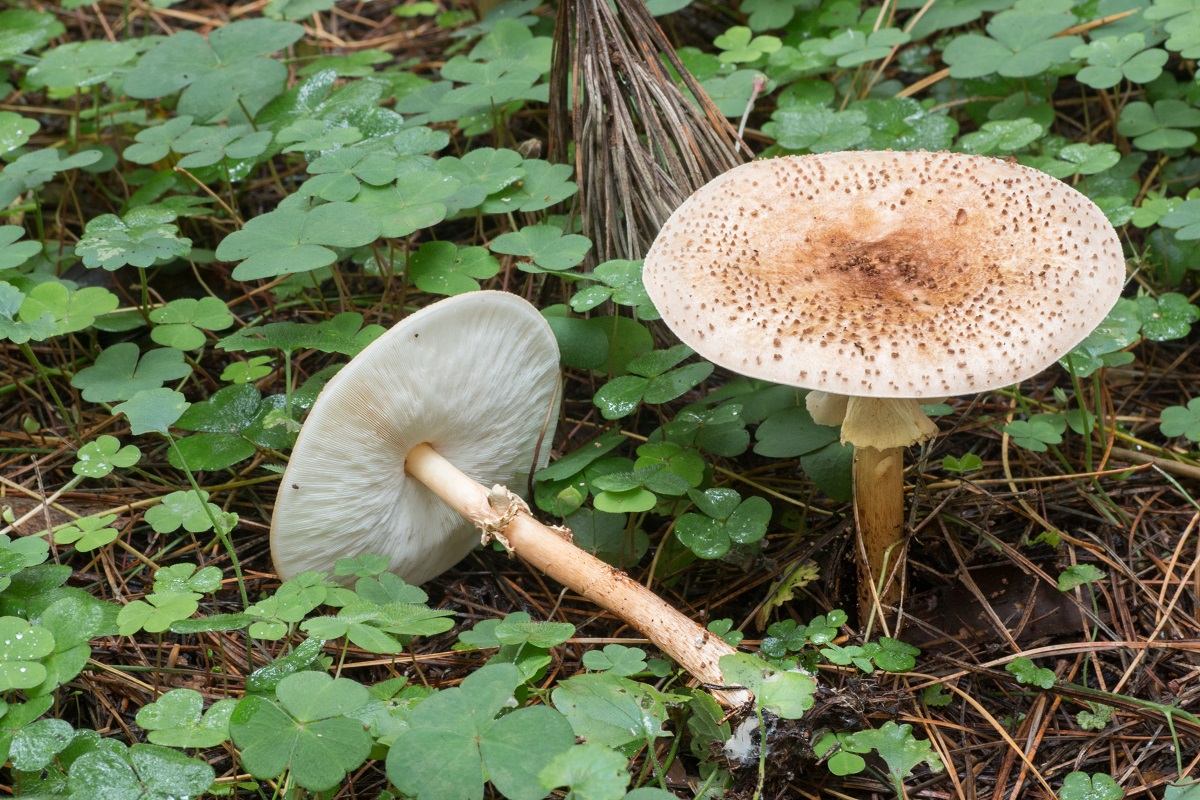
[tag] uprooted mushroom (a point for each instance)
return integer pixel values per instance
(878, 280)
(414, 447)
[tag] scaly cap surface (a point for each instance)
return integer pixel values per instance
(885, 274)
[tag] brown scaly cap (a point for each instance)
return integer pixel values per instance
(885, 274)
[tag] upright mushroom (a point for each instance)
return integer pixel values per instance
(879, 279)
(400, 447)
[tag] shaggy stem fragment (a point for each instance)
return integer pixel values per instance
(698, 651)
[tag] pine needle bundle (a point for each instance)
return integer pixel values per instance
(642, 145)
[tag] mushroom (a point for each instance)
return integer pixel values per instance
(880, 279)
(398, 451)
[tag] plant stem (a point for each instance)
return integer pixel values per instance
(879, 513)
(551, 551)
(218, 525)
(30, 356)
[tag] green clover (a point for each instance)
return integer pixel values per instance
(177, 719)
(219, 76)
(88, 533)
(180, 323)
(121, 371)
(1112, 59)
(1165, 125)
(305, 730)
(296, 238)
(1182, 420)
(739, 45)
(142, 238)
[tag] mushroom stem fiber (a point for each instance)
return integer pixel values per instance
(697, 650)
(879, 512)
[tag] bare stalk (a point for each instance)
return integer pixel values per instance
(879, 512)
(551, 551)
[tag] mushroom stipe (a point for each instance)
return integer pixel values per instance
(399, 450)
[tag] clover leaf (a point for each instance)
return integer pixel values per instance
(726, 520)
(1112, 59)
(33, 169)
(72, 309)
(206, 145)
(12, 252)
(143, 772)
(343, 333)
(1081, 786)
(152, 410)
(218, 76)
(1028, 673)
(784, 693)
(414, 201)
(482, 172)
(296, 239)
(547, 246)
(321, 114)
(898, 748)
(608, 709)
(542, 185)
(180, 323)
(77, 65)
(1183, 19)
(1002, 136)
(1182, 420)
(817, 129)
(338, 175)
(1078, 575)
(22, 646)
(17, 554)
(143, 237)
(1105, 345)
(156, 612)
(901, 123)
(88, 533)
(186, 578)
(652, 381)
(1021, 42)
(619, 281)
(840, 761)
(454, 741)
(17, 329)
(306, 730)
(1169, 316)
(1165, 125)
(1037, 432)
(15, 130)
(183, 509)
(118, 373)
(854, 47)
(616, 659)
(740, 45)
(946, 14)
(176, 720)
(1076, 159)
(22, 30)
(443, 268)
(591, 771)
(154, 144)
(241, 372)
(488, 83)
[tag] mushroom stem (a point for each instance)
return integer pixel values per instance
(879, 512)
(697, 650)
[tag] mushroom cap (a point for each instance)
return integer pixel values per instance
(885, 274)
(476, 376)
